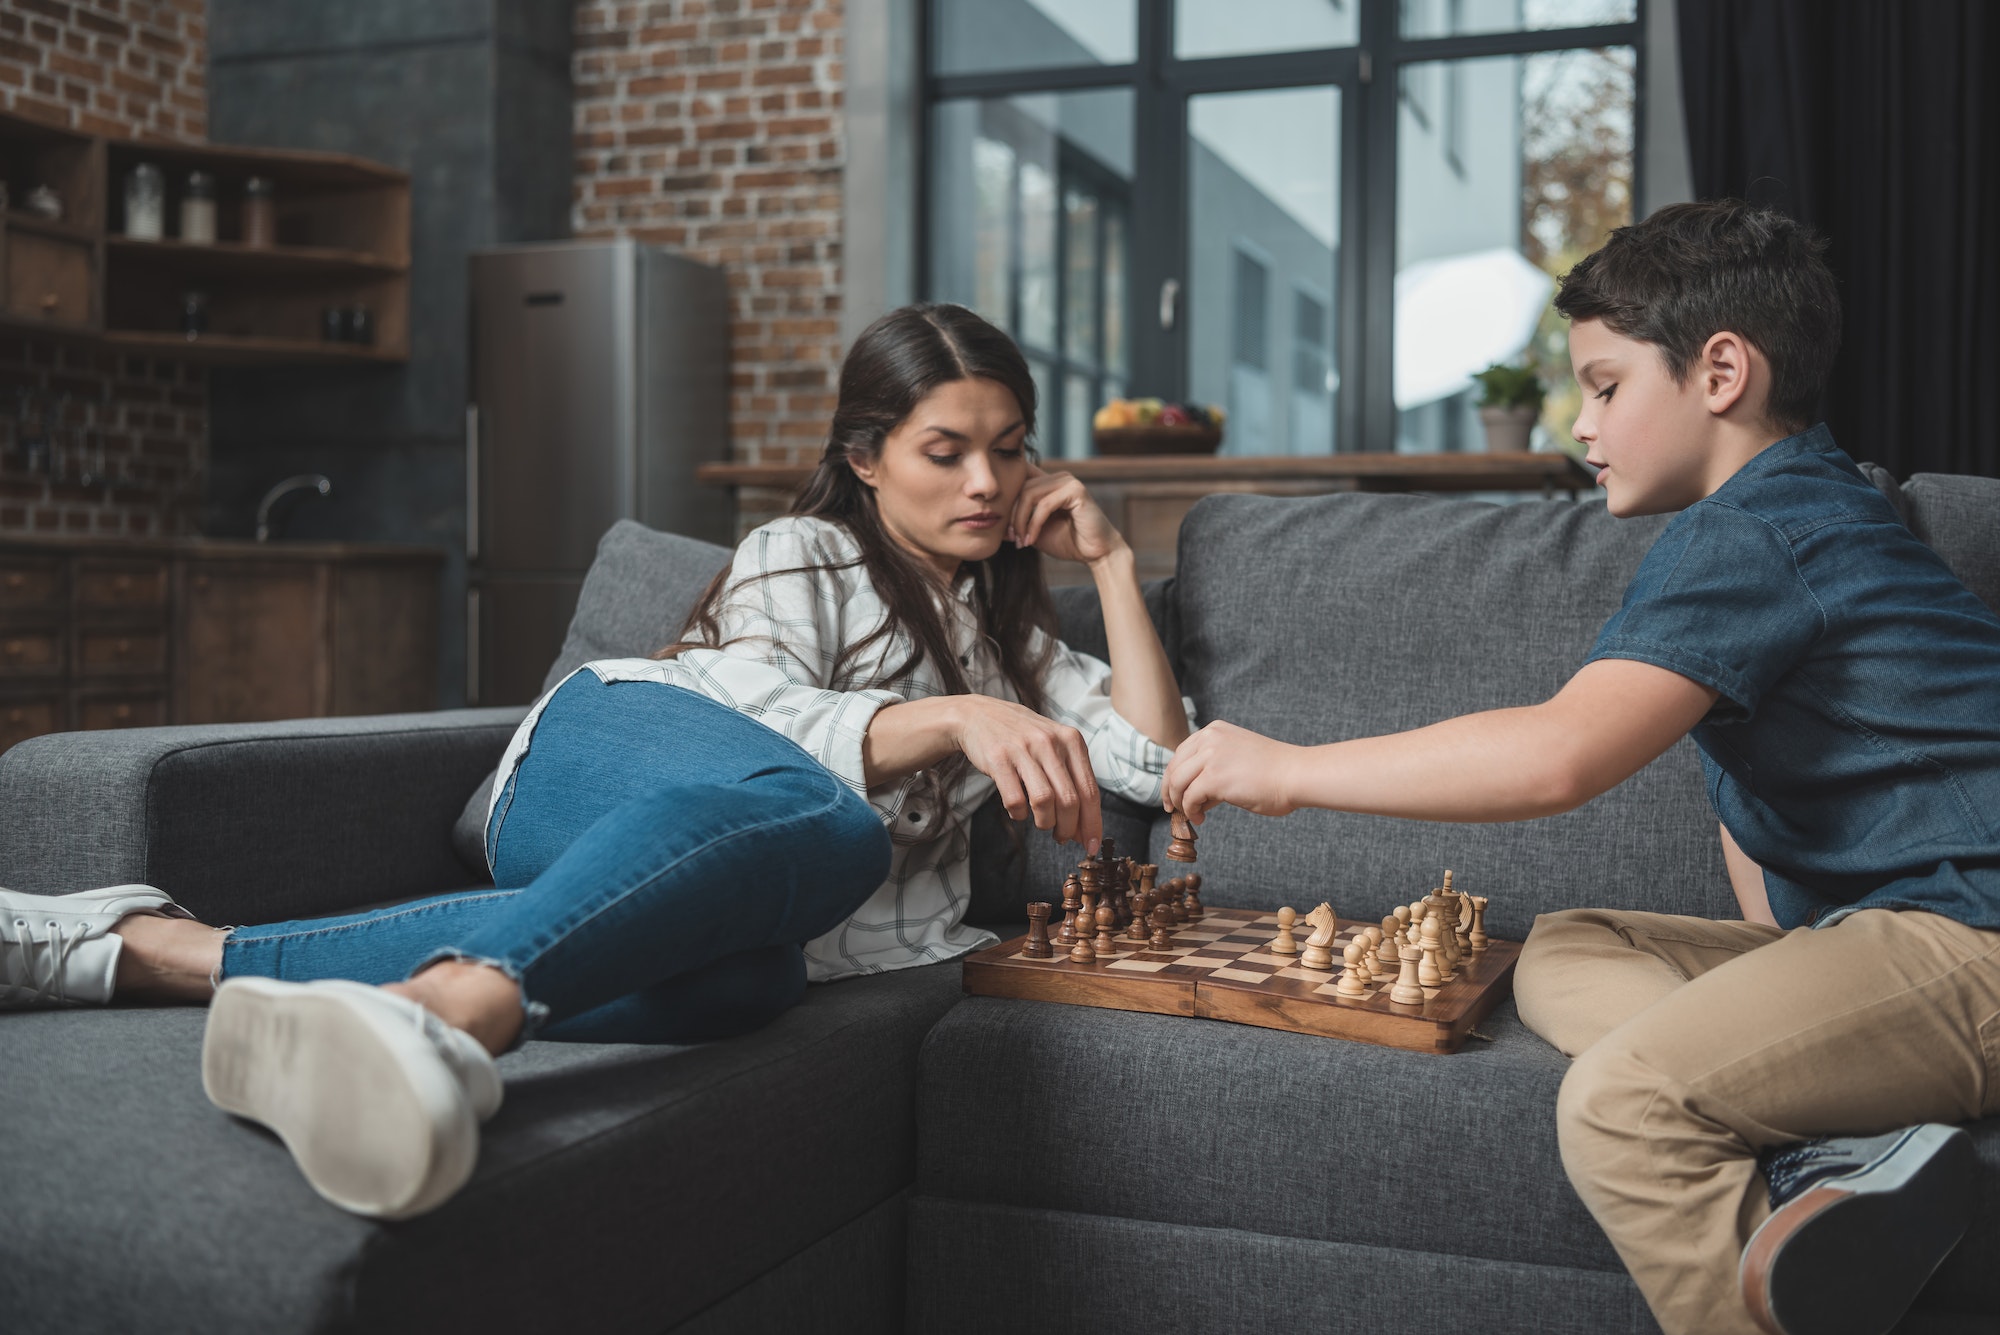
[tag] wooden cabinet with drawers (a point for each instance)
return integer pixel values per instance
(125, 635)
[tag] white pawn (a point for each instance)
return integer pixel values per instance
(1371, 947)
(1285, 943)
(1353, 982)
(1385, 943)
(1428, 974)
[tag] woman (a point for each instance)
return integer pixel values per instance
(679, 844)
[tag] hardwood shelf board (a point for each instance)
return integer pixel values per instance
(226, 258)
(18, 221)
(302, 168)
(22, 129)
(1370, 471)
(239, 350)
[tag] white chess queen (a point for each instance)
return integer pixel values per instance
(679, 844)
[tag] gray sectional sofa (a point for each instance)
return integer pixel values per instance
(894, 1155)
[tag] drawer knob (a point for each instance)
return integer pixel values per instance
(15, 648)
(50, 301)
(122, 712)
(17, 581)
(16, 715)
(122, 583)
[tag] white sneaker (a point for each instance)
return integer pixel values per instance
(378, 1100)
(59, 950)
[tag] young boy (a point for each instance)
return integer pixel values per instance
(1843, 688)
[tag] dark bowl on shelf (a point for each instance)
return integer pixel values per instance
(1130, 440)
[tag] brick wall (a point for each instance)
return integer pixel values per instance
(138, 430)
(713, 127)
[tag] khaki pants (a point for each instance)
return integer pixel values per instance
(1698, 1043)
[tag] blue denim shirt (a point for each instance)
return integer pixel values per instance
(1854, 751)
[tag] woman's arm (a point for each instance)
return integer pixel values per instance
(1056, 514)
(1039, 766)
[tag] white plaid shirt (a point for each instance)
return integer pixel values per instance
(785, 633)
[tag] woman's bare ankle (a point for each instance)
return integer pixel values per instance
(167, 959)
(477, 998)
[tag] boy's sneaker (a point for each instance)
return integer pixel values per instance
(378, 1099)
(1859, 1224)
(59, 950)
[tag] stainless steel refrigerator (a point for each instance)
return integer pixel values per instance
(600, 379)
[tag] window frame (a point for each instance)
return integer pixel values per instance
(1367, 76)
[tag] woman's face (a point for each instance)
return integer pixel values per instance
(946, 479)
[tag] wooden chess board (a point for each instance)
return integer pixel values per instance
(1221, 969)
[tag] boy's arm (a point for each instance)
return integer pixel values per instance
(1611, 719)
(1746, 878)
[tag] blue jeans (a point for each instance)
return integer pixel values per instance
(658, 860)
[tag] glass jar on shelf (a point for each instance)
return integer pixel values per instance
(145, 203)
(198, 209)
(260, 212)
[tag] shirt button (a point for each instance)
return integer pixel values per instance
(917, 817)
(965, 660)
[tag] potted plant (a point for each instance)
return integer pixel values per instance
(1510, 402)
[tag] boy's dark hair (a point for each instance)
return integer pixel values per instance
(1693, 270)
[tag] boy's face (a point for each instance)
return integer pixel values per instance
(1645, 432)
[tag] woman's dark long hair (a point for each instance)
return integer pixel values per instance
(896, 362)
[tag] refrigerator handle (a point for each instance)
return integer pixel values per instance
(472, 482)
(472, 646)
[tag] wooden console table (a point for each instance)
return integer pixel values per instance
(114, 634)
(1148, 497)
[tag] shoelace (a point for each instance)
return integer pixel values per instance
(1790, 1169)
(56, 948)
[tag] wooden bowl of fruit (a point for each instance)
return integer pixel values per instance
(1153, 426)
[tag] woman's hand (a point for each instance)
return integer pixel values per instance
(1055, 514)
(1225, 763)
(1040, 766)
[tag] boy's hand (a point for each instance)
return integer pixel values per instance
(1225, 763)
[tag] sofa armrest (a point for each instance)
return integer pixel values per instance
(250, 822)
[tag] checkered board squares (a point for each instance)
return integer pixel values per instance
(1222, 968)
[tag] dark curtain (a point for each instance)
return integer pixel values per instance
(1877, 122)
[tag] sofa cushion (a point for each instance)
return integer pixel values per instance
(1322, 618)
(620, 1188)
(1071, 1113)
(1960, 518)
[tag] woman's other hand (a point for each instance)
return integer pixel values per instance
(1056, 515)
(1225, 763)
(1041, 767)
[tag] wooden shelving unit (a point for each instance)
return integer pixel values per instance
(342, 240)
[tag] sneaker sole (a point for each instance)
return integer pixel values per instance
(1851, 1255)
(370, 1113)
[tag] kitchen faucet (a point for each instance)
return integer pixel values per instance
(318, 482)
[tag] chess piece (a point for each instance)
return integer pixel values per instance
(1427, 971)
(1106, 943)
(1407, 991)
(1402, 912)
(1353, 983)
(1478, 935)
(1192, 882)
(1318, 953)
(1071, 899)
(1284, 943)
(1038, 947)
(1085, 951)
(1461, 921)
(1082, 952)
(1371, 942)
(1181, 848)
(1386, 953)
(1160, 941)
(1136, 932)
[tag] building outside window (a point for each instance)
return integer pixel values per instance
(1324, 215)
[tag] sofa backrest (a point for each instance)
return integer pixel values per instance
(640, 588)
(1325, 618)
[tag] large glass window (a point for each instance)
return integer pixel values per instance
(1521, 168)
(1030, 197)
(1186, 201)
